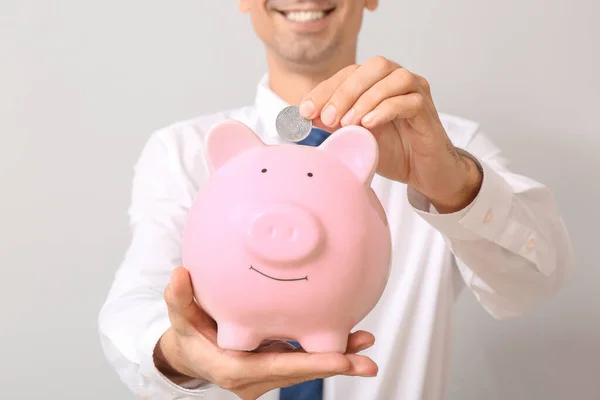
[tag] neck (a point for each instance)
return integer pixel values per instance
(292, 82)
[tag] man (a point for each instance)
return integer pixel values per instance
(458, 218)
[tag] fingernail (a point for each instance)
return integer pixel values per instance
(348, 118)
(307, 108)
(328, 116)
(369, 118)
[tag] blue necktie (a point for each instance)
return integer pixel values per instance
(315, 138)
(311, 390)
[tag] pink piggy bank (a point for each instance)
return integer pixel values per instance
(287, 241)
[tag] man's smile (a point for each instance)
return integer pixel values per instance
(302, 13)
(304, 278)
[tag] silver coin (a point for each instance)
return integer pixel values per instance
(291, 125)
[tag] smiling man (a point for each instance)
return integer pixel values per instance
(459, 219)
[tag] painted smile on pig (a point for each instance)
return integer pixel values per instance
(305, 278)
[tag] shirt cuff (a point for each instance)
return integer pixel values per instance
(156, 384)
(485, 217)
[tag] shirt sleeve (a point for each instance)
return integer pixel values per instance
(510, 244)
(134, 315)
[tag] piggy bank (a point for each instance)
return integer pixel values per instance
(287, 241)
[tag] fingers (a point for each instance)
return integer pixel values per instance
(250, 374)
(399, 107)
(359, 341)
(424, 84)
(398, 83)
(277, 364)
(361, 366)
(366, 95)
(263, 372)
(312, 104)
(179, 293)
(185, 314)
(335, 102)
(289, 365)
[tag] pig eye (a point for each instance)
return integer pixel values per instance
(264, 170)
(310, 174)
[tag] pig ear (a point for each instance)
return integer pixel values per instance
(226, 140)
(356, 147)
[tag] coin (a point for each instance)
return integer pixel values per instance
(291, 125)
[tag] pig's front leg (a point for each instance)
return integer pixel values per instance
(324, 342)
(235, 337)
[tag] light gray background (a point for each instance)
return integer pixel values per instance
(83, 83)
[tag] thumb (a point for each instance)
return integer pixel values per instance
(185, 314)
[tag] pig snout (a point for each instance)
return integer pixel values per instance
(284, 234)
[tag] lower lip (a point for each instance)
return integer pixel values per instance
(309, 26)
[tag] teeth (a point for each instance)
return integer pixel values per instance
(305, 16)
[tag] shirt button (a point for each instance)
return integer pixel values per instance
(531, 244)
(488, 216)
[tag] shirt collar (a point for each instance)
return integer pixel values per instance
(268, 105)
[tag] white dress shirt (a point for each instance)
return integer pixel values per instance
(509, 247)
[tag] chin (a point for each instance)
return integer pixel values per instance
(304, 51)
(304, 56)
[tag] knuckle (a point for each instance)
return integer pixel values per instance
(418, 102)
(346, 72)
(403, 75)
(424, 83)
(342, 95)
(352, 68)
(380, 62)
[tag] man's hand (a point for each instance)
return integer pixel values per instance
(396, 105)
(189, 350)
